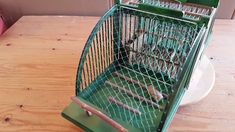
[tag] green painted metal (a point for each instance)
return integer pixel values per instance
(148, 46)
(79, 117)
(183, 83)
(172, 13)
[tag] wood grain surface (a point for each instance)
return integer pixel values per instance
(38, 62)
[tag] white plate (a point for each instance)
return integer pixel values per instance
(201, 83)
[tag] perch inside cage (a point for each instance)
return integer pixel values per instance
(135, 68)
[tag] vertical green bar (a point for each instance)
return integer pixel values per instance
(118, 1)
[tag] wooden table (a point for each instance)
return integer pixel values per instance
(38, 61)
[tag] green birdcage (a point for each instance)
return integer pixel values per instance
(135, 68)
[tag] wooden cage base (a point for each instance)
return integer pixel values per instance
(78, 116)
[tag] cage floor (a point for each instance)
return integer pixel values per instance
(150, 116)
